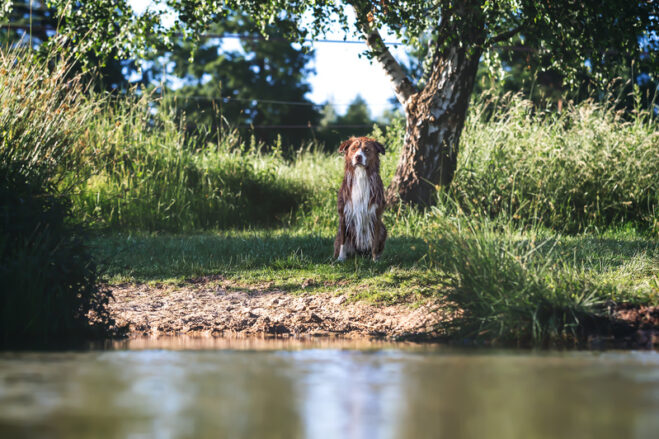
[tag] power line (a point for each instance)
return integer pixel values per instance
(315, 127)
(306, 40)
(227, 99)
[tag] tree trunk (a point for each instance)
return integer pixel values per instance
(435, 118)
(436, 114)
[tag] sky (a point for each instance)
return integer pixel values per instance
(341, 74)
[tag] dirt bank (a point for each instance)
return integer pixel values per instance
(204, 307)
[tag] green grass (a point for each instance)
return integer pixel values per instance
(551, 217)
(411, 265)
(536, 287)
(283, 259)
(48, 277)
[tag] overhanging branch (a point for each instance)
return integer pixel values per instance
(504, 35)
(403, 87)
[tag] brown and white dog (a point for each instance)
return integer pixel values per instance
(361, 200)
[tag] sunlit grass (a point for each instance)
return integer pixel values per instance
(550, 220)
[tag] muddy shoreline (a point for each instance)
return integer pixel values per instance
(205, 308)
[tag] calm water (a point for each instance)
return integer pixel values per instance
(251, 389)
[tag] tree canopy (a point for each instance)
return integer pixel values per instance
(566, 32)
(255, 84)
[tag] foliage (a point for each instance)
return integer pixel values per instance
(569, 32)
(49, 281)
(31, 24)
(241, 85)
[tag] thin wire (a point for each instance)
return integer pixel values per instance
(270, 127)
(228, 99)
(306, 40)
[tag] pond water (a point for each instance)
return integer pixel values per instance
(181, 388)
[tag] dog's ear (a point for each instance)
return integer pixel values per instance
(379, 147)
(344, 146)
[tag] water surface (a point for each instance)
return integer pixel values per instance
(250, 388)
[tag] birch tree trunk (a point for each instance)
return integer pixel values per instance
(435, 115)
(434, 121)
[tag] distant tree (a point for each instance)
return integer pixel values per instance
(356, 121)
(602, 32)
(258, 87)
(32, 23)
(357, 113)
(28, 24)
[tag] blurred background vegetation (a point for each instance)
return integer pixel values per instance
(258, 86)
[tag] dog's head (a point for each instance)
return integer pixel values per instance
(362, 151)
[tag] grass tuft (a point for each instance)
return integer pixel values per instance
(514, 286)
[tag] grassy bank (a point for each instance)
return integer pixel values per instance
(513, 285)
(551, 220)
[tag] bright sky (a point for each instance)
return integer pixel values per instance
(340, 73)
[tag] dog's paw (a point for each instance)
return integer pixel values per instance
(341, 259)
(376, 258)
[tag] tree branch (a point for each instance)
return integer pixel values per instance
(403, 87)
(504, 35)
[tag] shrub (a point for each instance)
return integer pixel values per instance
(49, 282)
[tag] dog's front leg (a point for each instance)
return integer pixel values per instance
(339, 244)
(375, 245)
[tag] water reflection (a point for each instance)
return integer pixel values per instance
(528, 397)
(387, 391)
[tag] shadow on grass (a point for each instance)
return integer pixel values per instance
(262, 253)
(606, 253)
(299, 262)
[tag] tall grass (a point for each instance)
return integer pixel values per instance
(587, 167)
(145, 174)
(49, 281)
(515, 286)
(43, 114)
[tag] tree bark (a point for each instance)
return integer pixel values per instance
(435, 115)
(434, 121)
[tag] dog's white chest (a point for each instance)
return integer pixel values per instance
(359, 217)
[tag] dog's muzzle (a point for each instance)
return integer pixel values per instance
(359, 159)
